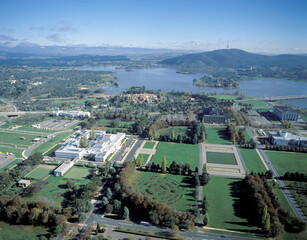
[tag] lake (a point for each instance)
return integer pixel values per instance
(167, 79)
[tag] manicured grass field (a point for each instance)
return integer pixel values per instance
(145, 156)
(169, 131)
(149, 145)
(51, 142)
(221, 158)
(217, 135)
(221, 205)
(288, 161)
(252, 160)
(256, 104)
(21, 232)
(41, 171)
(77, 173)
(16, 152)
(53, 190)
(166, 188)
(225, 97)
(14, 138)
(178, 152)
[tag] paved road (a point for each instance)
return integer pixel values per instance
(297, 211)
(5, 160)
(10, 104)
(10, 146)
(27, 152)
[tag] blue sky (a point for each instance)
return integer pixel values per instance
(272, 26)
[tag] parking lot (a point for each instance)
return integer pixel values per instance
(57, 124)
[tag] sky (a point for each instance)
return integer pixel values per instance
(264, 26)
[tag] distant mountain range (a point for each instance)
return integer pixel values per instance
(39, 51)
(235, 58)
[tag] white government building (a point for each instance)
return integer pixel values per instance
(101, 148)
(285, 138)
(72, 114)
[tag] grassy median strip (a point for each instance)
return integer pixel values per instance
(163, 235)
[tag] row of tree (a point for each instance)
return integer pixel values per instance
(18, 211)
(264, 209)
(235, 136)
(288, 148)
(295, 176)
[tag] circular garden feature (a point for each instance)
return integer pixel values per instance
(166, 190)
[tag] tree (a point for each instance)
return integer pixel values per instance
(83, 142)
(203, 139)
(265, 220)
(93, 135)
(153, 216)
(125, 214)
(173, 135)
(70, 184)
(206, 219)
(117, 205)
(114, 124)
(104, 201)
(109, 194)
(196, 179)
(164, 164)
(81, 217)
(141, 161)
(268, 174)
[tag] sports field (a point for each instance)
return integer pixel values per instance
(288, 161)
(252, 160)
(217, 135)
(222, 213)
(149, 145)
(179, 152)
(165, 188)
(221, 158)
(41, 171)
(77, 173)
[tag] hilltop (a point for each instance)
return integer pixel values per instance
(235, 58)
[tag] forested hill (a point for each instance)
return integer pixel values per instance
(235, 58)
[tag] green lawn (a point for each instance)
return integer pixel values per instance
(21, 232)
(77, 173)
(53, 190)
(165, 188)
(217, 135)
(41, 171)
(256, 104)
(225, 97)
(51, 142)
(252, 160)
(16, 152)
(288, 161)
(52, 150)
(221, 205)
(169, 131)
(178, 152)
(145, 156)
(107, 123)
(149, 145)
(221, 158)
(15, 138)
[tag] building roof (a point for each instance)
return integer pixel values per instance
(24, 181)
(64, 166)
(285, 109)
